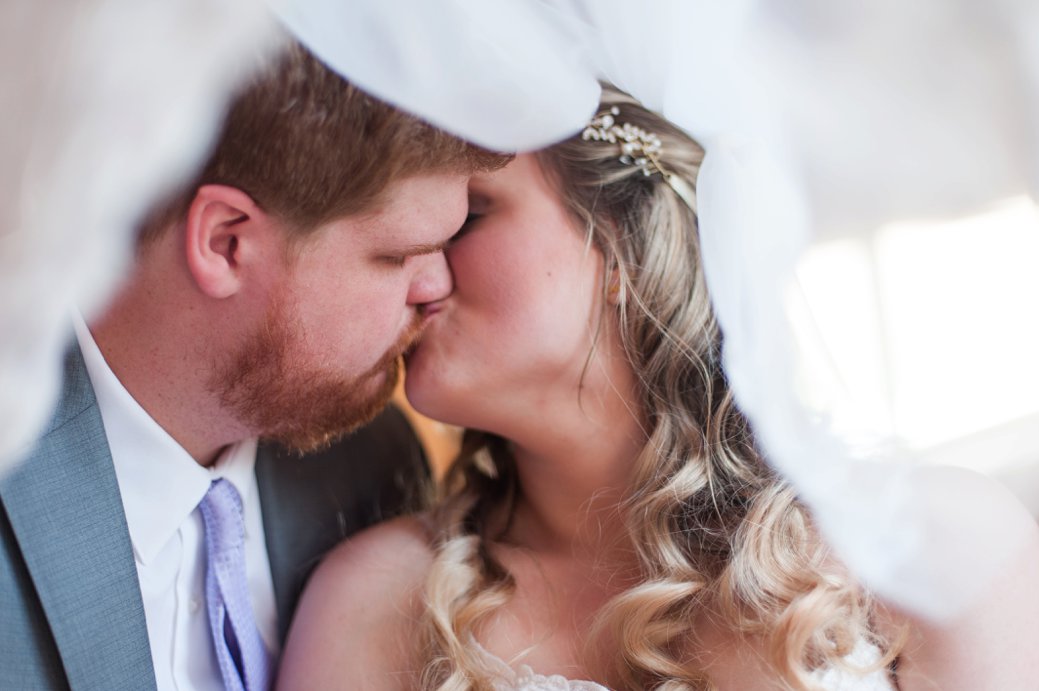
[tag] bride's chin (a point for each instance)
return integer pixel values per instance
(432, 401)
(421, 394)
(433, 392)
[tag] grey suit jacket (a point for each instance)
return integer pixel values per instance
(71, 614)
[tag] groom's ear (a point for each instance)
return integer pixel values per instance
(224, 234)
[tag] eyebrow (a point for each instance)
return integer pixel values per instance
(416, 250)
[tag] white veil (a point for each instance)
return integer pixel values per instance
(106, 105)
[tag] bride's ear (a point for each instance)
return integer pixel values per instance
(222, 224)
(613, 287)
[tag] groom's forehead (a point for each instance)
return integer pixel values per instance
(417, 209)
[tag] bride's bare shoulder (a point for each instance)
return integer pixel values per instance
(356, 622)
(389, 554)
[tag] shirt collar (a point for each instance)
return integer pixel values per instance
(160, 483)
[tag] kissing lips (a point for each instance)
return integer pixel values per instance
(426, 313)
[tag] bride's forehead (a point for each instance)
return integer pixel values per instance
(522, 173)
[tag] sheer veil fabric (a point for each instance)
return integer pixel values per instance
(107, 104)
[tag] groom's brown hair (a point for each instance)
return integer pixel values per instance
(310, 147)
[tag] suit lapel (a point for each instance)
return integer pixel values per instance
(274, 520)
(64, 506)
(304, 515)
(311, 503)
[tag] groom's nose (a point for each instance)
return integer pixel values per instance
(432, 279)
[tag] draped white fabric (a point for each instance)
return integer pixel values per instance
(106, 104)
(832, 129)
(506, 74)
(863, 114)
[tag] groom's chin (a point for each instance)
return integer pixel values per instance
(330, 412)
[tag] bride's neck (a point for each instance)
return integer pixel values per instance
(571, 488)
(575, 446)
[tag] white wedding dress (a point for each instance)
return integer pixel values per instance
(523, 678)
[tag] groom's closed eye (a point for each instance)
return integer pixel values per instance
(399, 257)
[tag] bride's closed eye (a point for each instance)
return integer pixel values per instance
(467, 225)
(477, 209)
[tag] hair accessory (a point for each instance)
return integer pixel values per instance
(638, 148)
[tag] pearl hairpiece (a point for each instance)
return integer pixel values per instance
(637, 148)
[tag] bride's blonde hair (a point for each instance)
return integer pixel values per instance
(715, 529)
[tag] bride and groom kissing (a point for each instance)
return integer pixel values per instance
(612, 520)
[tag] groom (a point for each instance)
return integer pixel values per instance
(150, 540)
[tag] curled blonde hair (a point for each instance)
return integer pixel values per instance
(715, 529)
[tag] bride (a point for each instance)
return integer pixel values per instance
(613, 520)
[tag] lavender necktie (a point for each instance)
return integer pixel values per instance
(244, 661)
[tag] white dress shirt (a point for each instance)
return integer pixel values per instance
(161, 486)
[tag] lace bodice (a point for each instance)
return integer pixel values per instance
(523, 678)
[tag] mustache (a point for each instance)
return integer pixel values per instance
(408, 339)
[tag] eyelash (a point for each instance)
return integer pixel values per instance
(397, 262)
(466, 225)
